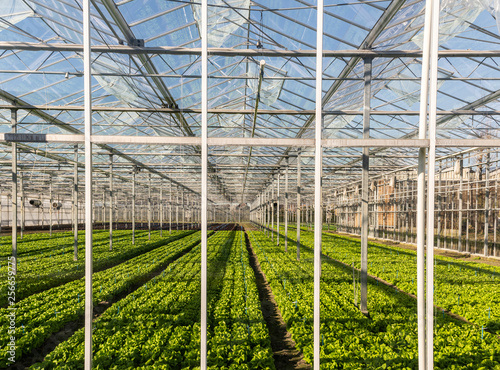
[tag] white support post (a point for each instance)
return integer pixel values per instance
(272, 210)
(183, 209)
(13, 121)
(424, 91)
(286, 205)
(23, 213)
(88, 184)
(460, 203)
(364, 187)
(177, 209)
(318, 162)
(75, 204)
(440, 204)
(486, 203)
(431, 185)
(298, 205)
(278, 213)
(170, 210)
(161, 210)
(133, 205)
(51, 208)
(111, 202)
(149, 208)
(204, 180)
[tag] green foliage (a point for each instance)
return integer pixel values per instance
(158, 325)
(388, 339)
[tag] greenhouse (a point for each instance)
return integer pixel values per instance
(244, 184)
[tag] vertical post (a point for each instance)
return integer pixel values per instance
(286, 204)
(134, 171)
(424, 91)
(88, 184)
(318, 163)
(204, 179)
(431, 184)
(394, 194)
(298, 204)
(278, 213)
(460, 202)
(272, 210)
(161, 210)
(23, 214)
(177, 209)
(467, 222)
(440, 205)
(486, 203)
(183, 209)
(111, 202)
(149, 207)
(170, 210)
(75, 204)
(13, 122)
(261, 212)
(51, 208)
(265, 213)
(495, 214)
(364, 187)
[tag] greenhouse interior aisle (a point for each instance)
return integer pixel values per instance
(249, 185)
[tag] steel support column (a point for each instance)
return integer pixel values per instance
(272, 210)
(87, 84)
(160, 208)
(134, 171)
(433, 57)
(13, 122)
(278, 212)
(318, 163)
(460, 202)
(111, 202)
(149, 207)
(286, 205)
(23, 209)
(364, 187)
(424, 92)
(298, 205)
(170, 210)
(51, 207)
(75, 205)
(204, 180)
(486, 203)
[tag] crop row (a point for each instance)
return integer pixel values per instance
(41, 314)
(468, 289)
(55, 265)
(387, 339)
(158, 325)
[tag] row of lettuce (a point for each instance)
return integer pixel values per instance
(153, 309)
(158, 324)
(466, 288)
(389, 338)
(42, 314)
(47, 262)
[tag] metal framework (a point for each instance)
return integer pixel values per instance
(258, 128)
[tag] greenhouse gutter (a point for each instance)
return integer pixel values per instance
(173, 50)
(225, 141)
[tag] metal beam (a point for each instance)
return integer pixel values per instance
(364, 188)
(466, 110)
(363, 52)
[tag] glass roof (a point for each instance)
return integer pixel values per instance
(127, 89)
